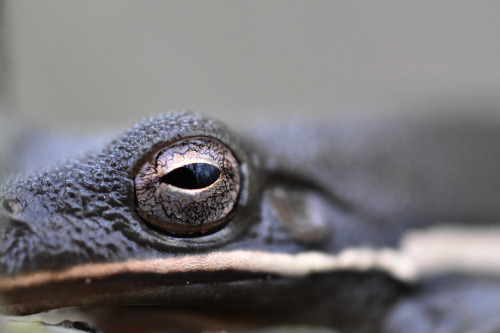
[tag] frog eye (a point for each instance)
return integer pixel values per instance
(189, 188)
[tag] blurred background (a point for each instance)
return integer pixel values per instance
(92, 64)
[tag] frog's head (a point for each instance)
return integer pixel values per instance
(176, 211)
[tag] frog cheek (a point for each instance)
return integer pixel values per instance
(303, 214)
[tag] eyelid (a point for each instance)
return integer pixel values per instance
(178, 163)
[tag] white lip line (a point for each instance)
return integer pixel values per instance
(281, 264)
(422, 253)
(447, 248)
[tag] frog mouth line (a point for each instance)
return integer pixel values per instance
(421, 253)
(253, 262)
(91, 283)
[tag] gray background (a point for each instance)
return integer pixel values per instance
(90, 64)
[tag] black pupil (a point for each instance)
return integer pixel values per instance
(192, 176)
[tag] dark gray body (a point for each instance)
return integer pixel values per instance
(375, 179)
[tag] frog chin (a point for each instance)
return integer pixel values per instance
(222, 299)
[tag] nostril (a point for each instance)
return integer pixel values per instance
(12, 206)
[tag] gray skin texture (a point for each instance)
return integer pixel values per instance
(371, 179)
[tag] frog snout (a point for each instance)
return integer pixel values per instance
(12, 206)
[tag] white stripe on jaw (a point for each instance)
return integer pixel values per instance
(259, 262)
(422, 253)
(454, 249)
(427, 252)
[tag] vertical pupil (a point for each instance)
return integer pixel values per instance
(192, 176)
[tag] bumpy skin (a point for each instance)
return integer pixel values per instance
(371, 181)
(84, 211)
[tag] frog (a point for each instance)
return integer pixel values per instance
(183, 224)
